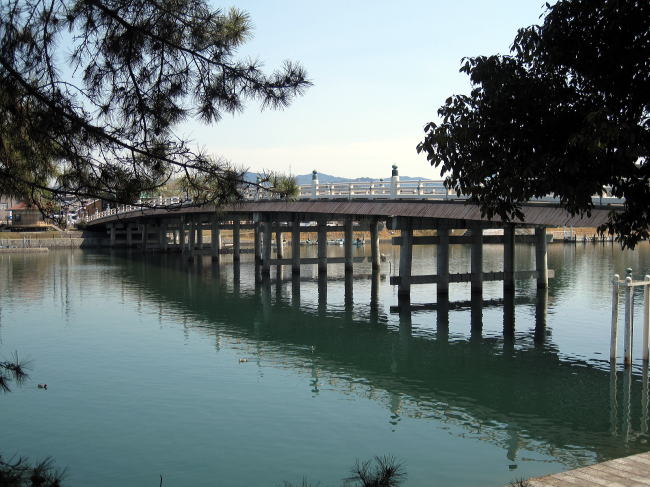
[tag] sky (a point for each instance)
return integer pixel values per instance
(380, 70)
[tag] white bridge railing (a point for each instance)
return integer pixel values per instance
(382, 189)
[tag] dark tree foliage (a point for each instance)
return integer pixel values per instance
(384, 471)
(92, 90)
(13, 370)
(566, 114)
(20, 472)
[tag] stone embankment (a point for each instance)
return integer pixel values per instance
(52, 240)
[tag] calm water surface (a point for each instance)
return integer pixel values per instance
(142, 359)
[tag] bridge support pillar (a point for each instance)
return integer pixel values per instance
(347, 241)
(295, 246)
(129, 235)
(266, 247)
(374, 244)
(236, 240)
(477, 259)
(541, 263)
(215, 239)
(257, 243)
(405, 259)
(111, 228)
(278, 244)
(442, 261)
(322, 247)
(541, 312)
(199, 233)
(374, 298)
(192, 239)
(181, 234)
(508, 258)
(162, 235)
(144, 230)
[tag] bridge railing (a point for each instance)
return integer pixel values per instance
(392, 188)
(377, 190)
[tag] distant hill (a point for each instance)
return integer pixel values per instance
(328, 178)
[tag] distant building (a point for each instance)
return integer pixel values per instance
(6, 202)
(24, 216)
(90, 207)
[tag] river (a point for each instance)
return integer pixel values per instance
(200, 374)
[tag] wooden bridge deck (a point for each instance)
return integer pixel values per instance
(632, 471)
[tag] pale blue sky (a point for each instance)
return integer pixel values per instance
(380, 71)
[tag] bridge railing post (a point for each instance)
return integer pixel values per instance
(314, 185)
(394, 182)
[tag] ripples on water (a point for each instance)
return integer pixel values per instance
(197, 373)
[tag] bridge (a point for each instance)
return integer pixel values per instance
(168, 224)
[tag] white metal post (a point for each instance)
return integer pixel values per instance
(646, 317)
(627, 354)
(612, 346)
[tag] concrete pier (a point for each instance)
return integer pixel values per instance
(215, 239)
(541, 264)
(374, 244)
(442, 261)
(347, 242)
(295, 246)
(278, 244)
(266, 247)
(509, 258)
(162, 235)
(182, 228)
(236, 240)
(322, 247)
(192, 237)
(199, 233)
(269, 227)
(257, 242)
(477, 259)
(405, 261)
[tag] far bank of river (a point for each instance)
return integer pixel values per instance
(85, 239)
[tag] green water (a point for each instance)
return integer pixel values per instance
(142, 359)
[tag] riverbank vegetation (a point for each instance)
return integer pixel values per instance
(100, 121)
(566, 113)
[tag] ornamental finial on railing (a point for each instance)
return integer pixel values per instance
(394, 182)
(314, 184)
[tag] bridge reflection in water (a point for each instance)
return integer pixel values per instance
(514, 390)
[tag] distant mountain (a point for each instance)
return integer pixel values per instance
(328, 178)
